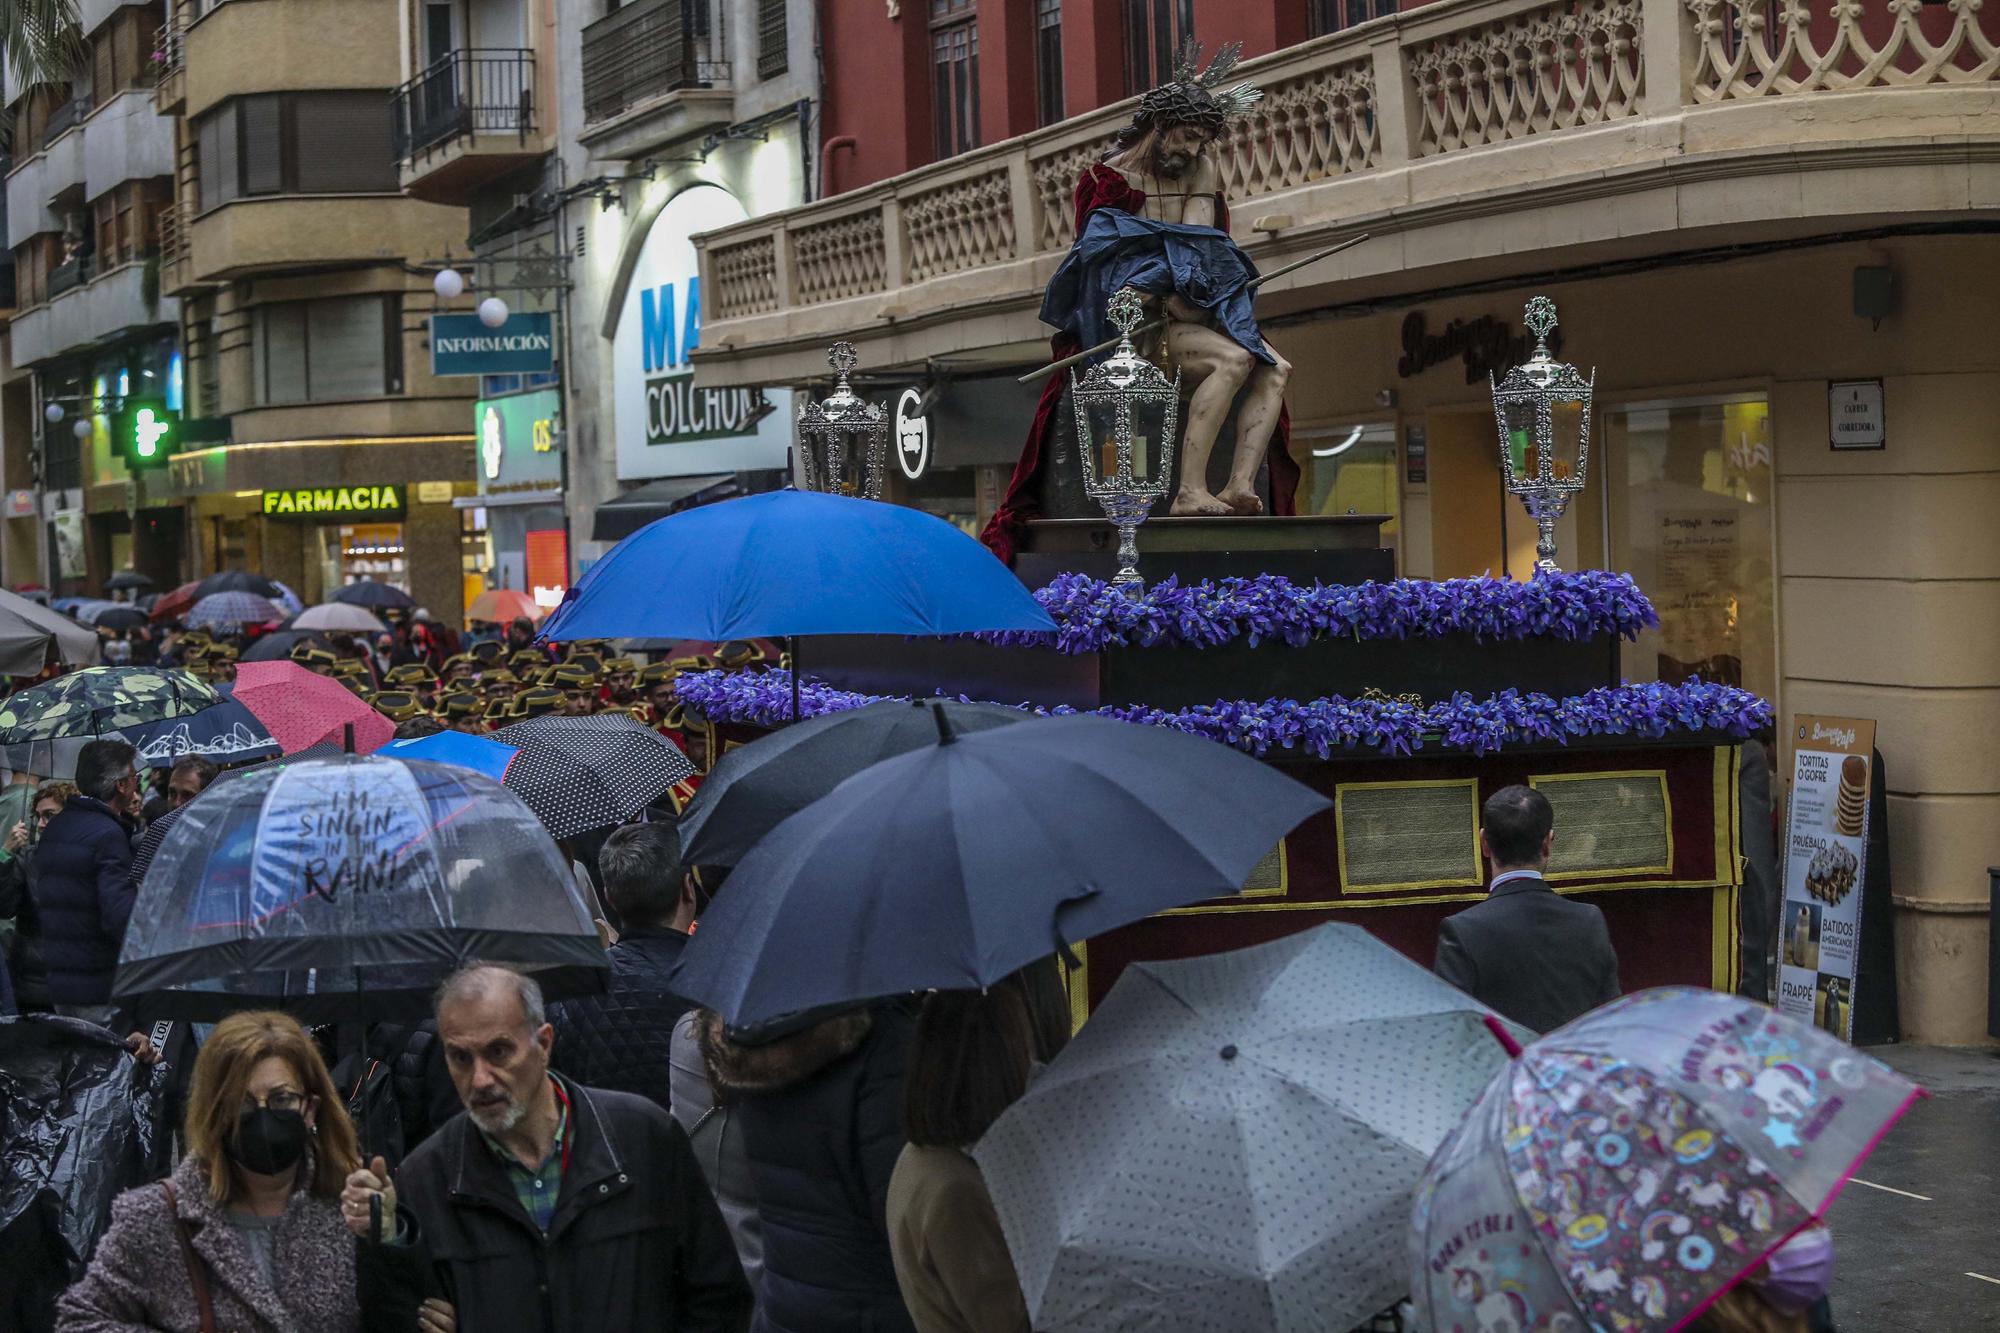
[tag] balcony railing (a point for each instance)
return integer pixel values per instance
(469, 92)
(70, 275)
(65, 118)
(173, 249)
(1422, 89)
(651, 48)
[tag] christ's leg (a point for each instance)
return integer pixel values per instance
(1263, 399)
(1217, 366)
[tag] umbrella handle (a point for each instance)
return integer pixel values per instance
(1503, 1036)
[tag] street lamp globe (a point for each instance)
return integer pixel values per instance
(81, 429)
(493, 312)
(449, 284)
(53, 413)
(843, 439)
(1127, 418)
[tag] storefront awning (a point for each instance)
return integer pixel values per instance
(620, 518)
(507, 499)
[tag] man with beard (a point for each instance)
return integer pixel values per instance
(1151, 216)
(549, 1205)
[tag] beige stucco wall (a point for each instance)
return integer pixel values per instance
(270, 232)
(274, 45)
(1888, 562)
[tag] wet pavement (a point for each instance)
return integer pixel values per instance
(1915, 1232)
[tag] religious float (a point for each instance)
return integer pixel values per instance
(1405, 701)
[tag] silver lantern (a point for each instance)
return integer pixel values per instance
(1543, 409)
(843, 439)
(1127, 416)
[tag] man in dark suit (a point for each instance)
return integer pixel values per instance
(1533, 955)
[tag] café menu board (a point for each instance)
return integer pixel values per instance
(1826, 855)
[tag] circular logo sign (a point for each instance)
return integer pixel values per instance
(913, 435)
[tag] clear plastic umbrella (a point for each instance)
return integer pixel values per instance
(348, 888)
(1231, 1141)
(1628, 1168)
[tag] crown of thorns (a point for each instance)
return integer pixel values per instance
(1191, 98)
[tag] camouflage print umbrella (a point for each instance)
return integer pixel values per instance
(99, 700)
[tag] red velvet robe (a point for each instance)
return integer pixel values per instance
(1103, 186)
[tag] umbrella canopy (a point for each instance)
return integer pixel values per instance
(502, 604)
(233, 610)
(1231, 1141)
(171, 605)
(755, 788)
(343, 617)
(99, 700)
(951, 866)
(287, 600)
(583, 773)
(1628, 1168)
(126, 578)
(481, 754)
(348, 888)
(794, 562)
(278, 644)
(30, 634)
(301, 707)
(225, 732)
(235, 580)
(374, 593)
(119, 616)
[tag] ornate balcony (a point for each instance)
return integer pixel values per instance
(1473, 139)
(654, 71)
(469, 118)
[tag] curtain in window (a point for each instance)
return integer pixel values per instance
(345, 338)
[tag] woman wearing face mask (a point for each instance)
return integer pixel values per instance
(1784, 1294)
(246, 1235)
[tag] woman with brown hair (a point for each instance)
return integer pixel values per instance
(970, 1060)
(246, 1235)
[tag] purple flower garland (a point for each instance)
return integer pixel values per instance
(1323, 726)
(1091, 615)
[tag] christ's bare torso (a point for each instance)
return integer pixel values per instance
(1188, 198)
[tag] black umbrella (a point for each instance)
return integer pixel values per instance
(120, 617)
(755, 787)
(126, 578)
(374, 594)
(951, 866)
(235, 580)
(347, 888)
(278, 644)
(583, 773)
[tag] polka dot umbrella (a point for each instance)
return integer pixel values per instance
(1231, 1142)
(583, 773)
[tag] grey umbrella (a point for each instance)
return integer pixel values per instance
(1232, 1142)
(28, 630)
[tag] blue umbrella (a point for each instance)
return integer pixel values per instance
(459, 748)
(794, 562)
(950, 866)
(225, 732)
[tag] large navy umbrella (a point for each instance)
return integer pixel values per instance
(347, 888)
(952, 866)
(224, 733)
(374, 594)
(794, 562)
(756, 786)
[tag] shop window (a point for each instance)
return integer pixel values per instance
(295, 143)
(955, 76)
(326, 351)
(1688, 485)
(1351, 469)
(498, 386)
(1325, 16)
(1154, 31)
(772, 39)
(1048, 62)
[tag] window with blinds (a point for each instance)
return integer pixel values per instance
(121, 51)
(324, 351)
(772, 38)
(295, 143)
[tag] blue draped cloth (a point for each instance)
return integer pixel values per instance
(1119, 249)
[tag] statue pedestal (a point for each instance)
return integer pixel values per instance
(1329, 548)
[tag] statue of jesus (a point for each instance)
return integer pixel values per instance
(1151, 216)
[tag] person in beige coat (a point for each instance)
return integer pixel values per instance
(970, 1061)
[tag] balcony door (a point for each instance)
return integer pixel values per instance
(440, 99)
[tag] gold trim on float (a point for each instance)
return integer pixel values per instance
(1666, 809)
(1340, 840)
(1284, 885)
(1342, 904)
(1077, 980)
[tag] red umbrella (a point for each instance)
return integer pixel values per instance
(176, 603)
(301, 708)
(503, 604)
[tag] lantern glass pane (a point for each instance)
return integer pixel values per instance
(1565, 438)
(1517, 418)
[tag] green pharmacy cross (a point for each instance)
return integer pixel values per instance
(148, 433)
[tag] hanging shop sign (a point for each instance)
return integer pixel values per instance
(547, 559)
(1485, 346)
(913, 434)
(463, 345)
(1854, 417)
(517, 442)
(1826, 860)
(335, 503)
(666, 425)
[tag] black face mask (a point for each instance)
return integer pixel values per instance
(268, 1142)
